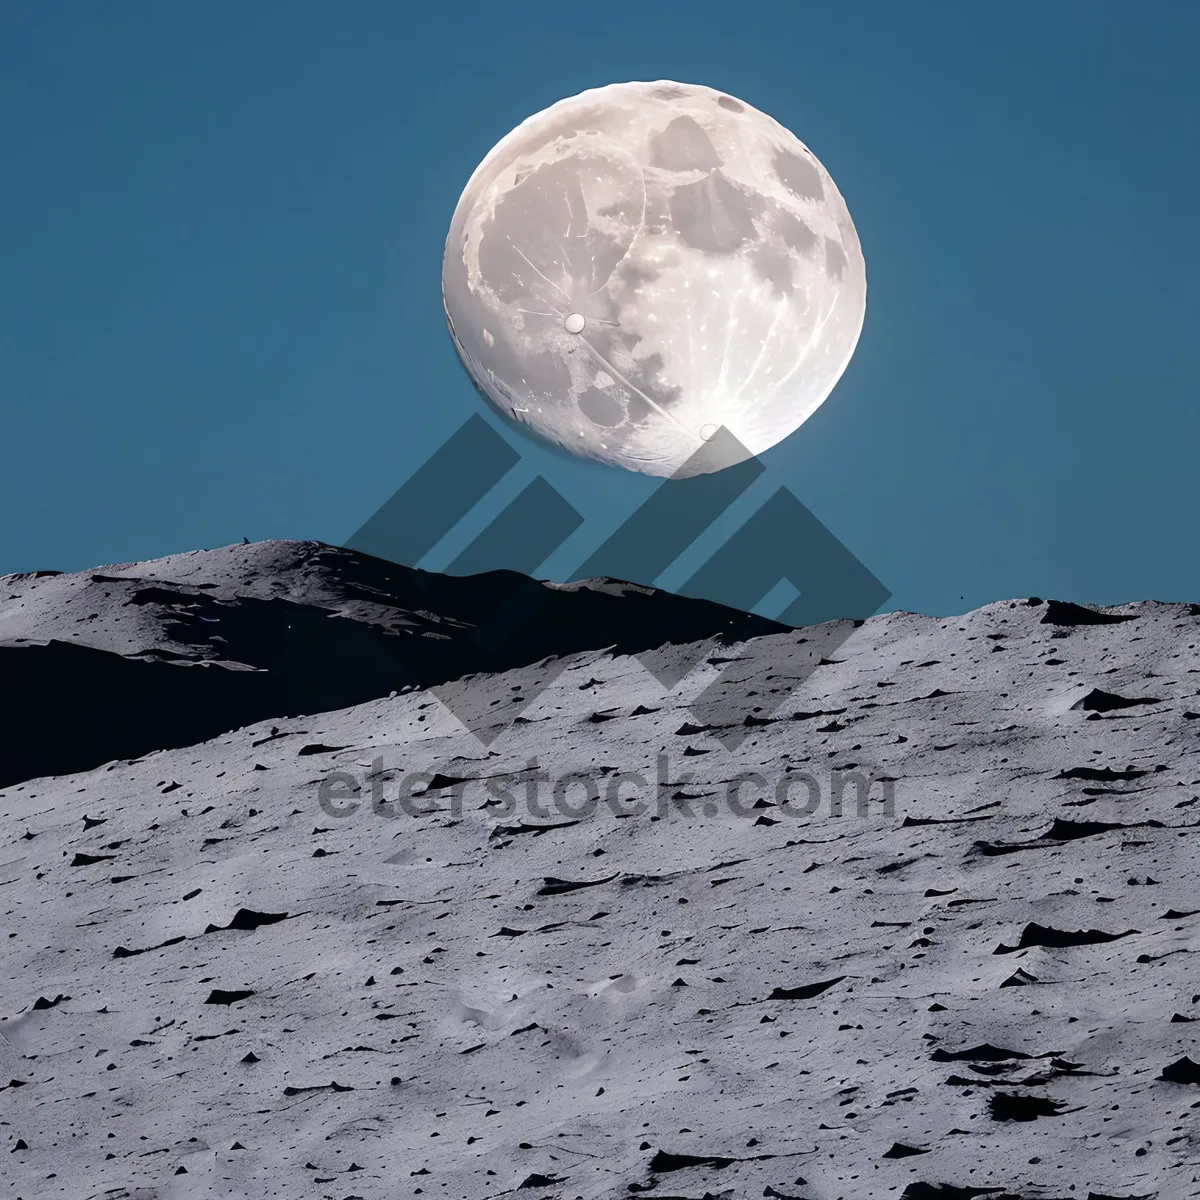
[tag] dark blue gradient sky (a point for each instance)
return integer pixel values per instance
(221, 229)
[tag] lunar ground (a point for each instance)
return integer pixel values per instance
(976, 982)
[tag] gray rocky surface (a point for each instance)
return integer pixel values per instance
(980, 983)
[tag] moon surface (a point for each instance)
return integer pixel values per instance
(635, 267)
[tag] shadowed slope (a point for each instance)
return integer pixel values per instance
(120, 661)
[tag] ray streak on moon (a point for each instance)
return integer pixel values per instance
(780, 309)
(709, 252)
(730, 326)
(816, 333)
(549, 281)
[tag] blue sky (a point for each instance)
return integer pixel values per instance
(221, 231)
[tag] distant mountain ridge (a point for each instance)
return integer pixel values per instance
(123, 660)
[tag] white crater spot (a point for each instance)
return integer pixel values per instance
(699, 254)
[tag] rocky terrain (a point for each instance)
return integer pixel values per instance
(281, 628)
(897, 909)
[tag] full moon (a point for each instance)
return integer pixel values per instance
(638, 266)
